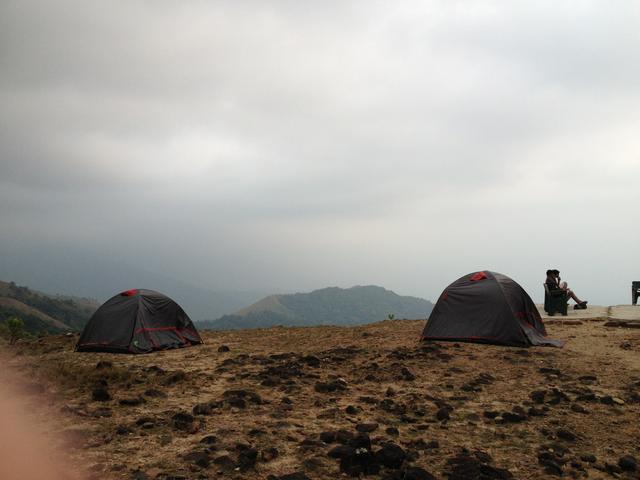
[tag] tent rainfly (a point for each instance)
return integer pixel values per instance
(138, 321)
(487, 307)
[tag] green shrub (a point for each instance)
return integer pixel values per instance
(15, 326)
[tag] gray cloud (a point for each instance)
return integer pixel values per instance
(291, 146)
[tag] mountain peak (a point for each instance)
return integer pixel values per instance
(326, 306)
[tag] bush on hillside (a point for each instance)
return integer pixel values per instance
(15, 329)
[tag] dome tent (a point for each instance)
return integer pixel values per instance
(487, 307)
(138, 321)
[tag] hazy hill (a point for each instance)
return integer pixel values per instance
(42, 312)
(100, 277)
(328, 306)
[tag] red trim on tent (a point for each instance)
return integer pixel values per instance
(156, 329)
(478, 276)
(129, 293)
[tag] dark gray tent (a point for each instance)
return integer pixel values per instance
(138, 321)
(487, 307)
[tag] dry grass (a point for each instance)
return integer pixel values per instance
(290, 413)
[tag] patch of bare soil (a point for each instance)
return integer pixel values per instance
(331, 402)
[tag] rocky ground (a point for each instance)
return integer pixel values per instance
(331, 402)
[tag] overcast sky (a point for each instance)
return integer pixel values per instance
(292, 145)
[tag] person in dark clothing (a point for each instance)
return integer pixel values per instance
(554, 283)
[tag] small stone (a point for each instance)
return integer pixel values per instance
(247, 459)
(155, 393)
(567, 435)
(223, 348)
(328, 437)
(311, 360)
(209, 440)
(576, 407)
(344, 436)
(443, 414)
(589, 458)
(391, 455)
(289, 476)
(183, 421)
(123, 430)
(607, 400)
(131, 402)
(341, 451)
(139, 475)
(351, 410)
(366, 427)
(202, 409)
(198, 458)
(407, 375)
(269, 454)
(417, 473)
(100, 394)
(392, 431)
(513, 417)
(628, 463)
(611, 468)
(175, 377)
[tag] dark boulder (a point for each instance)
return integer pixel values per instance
(391, 455)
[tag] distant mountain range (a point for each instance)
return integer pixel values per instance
(44, 313)
(327, 306)
(99, 277)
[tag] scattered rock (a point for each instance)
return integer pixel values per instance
(366, 427)
(198, 458)
(477, 465)
(100, 394)
(139, 475)
(443, 414)
(310, 360)
(103, 364)
(209, 440)
(155, 393)
(131, 402)
(247, 459)
(415, 473)
(239, 398)
(628, 463)
(175, 377)
(407, 375)
(123, 430)
(223, 348)
(391, 455)
(513, 417)
(183, 421)
(566, 434)
(576, 407)
(205, 408)
(289, 476)
(538, 396)
(331, 386)
(269, 454)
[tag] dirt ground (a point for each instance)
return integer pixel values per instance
(258, 403)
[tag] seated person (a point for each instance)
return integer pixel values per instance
(554, 283)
